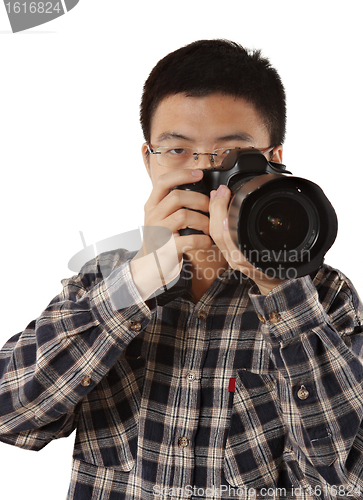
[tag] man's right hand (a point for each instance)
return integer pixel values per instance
(169, 208)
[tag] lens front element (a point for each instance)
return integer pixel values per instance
(284, 221)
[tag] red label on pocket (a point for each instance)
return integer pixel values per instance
(232, 384)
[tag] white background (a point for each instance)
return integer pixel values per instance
(70, 143)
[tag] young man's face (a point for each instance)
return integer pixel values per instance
(205, 124)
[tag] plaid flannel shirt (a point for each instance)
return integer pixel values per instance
(237, 396)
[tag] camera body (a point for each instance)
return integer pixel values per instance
(284, 225)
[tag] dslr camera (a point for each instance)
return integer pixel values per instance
(284, 225)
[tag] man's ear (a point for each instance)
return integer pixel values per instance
(277, 154)
(146, 157)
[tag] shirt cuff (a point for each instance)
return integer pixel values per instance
(118, 306)
(289, 310)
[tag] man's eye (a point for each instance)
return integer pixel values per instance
(177, 151)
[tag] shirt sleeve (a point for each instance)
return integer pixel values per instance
(46, 370)
(315, 338)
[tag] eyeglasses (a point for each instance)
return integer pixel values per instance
(184, 157)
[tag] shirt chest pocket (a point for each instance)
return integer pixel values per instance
(107, 431)
(256, 437)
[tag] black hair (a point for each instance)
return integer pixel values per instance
(218, 66)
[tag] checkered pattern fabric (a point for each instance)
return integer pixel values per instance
(237, 396)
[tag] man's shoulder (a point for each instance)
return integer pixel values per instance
(333, 286)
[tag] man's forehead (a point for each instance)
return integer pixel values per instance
(222, 117)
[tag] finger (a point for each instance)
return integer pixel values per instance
(184, 218)
(218, 209)
(219, 227)
(169, 180)
(221, 235)
(178, 199)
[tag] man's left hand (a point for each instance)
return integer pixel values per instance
(218, 210)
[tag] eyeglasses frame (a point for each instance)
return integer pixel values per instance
(212, 155)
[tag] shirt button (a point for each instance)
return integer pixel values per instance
(261, 318)
(86, 381)
(201, 315)
(275, 317)
(135, 326)
(303, 393)
(191, 376)
(183, 442)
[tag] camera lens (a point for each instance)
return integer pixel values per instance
(283, 225)
(283, 221)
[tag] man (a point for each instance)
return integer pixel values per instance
(237, 385)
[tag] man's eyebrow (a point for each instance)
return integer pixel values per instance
(172, 135)
(238, 136)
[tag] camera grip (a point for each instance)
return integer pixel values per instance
(187, 231)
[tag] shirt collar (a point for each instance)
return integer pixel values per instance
(181, 286)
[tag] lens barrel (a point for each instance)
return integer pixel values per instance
(283, 225)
